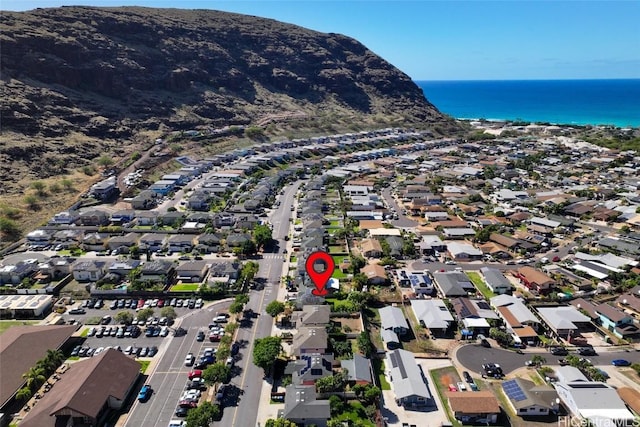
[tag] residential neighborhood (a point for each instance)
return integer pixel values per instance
(470, 279)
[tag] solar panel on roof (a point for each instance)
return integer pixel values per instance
(513, 390)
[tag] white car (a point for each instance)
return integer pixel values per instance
(189, 360)
(164, 331)
(177, 423)
(191, 394)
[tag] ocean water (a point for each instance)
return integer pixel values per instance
(578, 102)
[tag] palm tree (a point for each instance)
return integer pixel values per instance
(35, 377)
(52, 360)
(23, 394)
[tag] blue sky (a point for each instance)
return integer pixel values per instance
(457, 40)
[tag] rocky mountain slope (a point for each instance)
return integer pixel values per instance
(79, 81)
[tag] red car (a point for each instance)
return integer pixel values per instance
(195, 373)
(140, 303)
(160, 303)
(214, 337)
(452, 387)
(188, 404)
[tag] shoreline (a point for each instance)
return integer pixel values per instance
(520, 122)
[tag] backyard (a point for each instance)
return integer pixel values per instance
(480, 285)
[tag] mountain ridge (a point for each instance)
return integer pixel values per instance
(81, 80)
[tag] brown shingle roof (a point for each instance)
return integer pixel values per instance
(85, 388)
(479, 402)
(535, 276)
(631, 397)
(21, 347)
(369, 224)
(508, 316)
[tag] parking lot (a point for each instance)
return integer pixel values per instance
(139, 339)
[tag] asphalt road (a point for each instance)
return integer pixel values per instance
(271, 265)
(473, 356)
(403, 221)
(169, 377)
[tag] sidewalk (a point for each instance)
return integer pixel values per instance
(266, 409)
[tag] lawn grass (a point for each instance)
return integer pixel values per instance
(337, 250)
(293, 258)
(84, 332)
(6, 324)
(144, 365)
(335, 224)
(378, 367)
(190, 287)
(73, 358)
(338, 274)
(479, 283)
(356, 414)
(435, 375)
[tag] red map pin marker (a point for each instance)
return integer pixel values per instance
(320, 260)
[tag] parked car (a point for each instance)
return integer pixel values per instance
(189, 360)
(587, 351)
(194, 373)
(559, 351)
(77, 310)
(145, 393)
(620, 362)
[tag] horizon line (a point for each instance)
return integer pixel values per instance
(525, 80)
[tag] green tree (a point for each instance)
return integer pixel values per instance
(364, 344)
(9, 228)
(280, 422)
(145, 313)
(231, 327)
(67, 184)
(105, 161)
(248, 247)
(360, 280)
(218, 372)
(538, 360)
(203, 415)
(124, 317)
(32, 202)
(168, 312)
(336, 405)
(274, 308)
(266, 351)
(24, 394)
(262, 235)
(40, 188)
(242, 298)
(34, 377)
(236, 307)
(372, 394)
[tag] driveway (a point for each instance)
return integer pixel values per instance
(473, 356)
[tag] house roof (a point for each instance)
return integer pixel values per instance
(596, 401)
(21, 347)
(631, 397)
(516, 307)
(532, 275)
(406, 376)
(313, 314)
(465, 308)
(86, 387)
(523, 393)
(374, 271)
(453, 284)
(480, 402)
(392, 317)
(300, 403)
(309, 337)
(495, 278)
(359, 368)
(432, 312)
(371, 245)
(563, 317)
